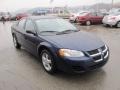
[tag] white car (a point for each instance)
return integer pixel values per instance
(112, 20)
(73, 16)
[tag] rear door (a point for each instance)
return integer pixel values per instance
(20, 31)
(93, 17)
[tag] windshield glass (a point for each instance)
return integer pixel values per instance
(54, 25)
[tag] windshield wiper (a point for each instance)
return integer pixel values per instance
(67, 31)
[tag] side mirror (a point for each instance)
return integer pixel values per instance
(30, 32)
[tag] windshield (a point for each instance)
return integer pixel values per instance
(54, 25)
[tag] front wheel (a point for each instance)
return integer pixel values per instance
(48, 61)
(16, 44)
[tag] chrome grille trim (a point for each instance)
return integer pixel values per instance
(95, 54)
(101, 52)
(106, 55)
(98, 60)
(105, 49)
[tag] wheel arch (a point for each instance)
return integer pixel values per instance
(47, 46)
(117, 23)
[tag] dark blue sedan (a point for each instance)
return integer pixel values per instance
(60, 45)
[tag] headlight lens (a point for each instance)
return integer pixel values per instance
(70, 53)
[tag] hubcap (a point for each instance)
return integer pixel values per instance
(88, 22)
(46, 60)
(15, 42)
(118, 25)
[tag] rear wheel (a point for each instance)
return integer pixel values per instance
(118, 24)
(88, 23)
(16, 44)
(48, 61)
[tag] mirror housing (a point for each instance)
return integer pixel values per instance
(30, 32)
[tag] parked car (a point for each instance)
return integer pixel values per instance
(73, 16)
(90, 18)
(22, 15)
(59, 44)
(112, 20)
(7, 17)
(16, 16)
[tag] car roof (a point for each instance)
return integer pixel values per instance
(41, 17)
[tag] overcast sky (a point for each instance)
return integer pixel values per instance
(12, 5)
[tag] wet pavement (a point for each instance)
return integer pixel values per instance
(19, 70)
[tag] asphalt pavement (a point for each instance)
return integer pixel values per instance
(19, 70)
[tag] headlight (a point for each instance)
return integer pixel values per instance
(70, 53)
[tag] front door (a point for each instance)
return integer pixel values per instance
(31, 39)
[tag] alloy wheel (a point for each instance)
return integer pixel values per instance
(47, 62)
(88, 23)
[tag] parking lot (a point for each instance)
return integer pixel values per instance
(19, 70)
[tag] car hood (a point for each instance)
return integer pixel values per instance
(110, 16)
(76, 41)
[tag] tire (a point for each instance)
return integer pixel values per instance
(16, 19)
(75, 21)
(48, 62)
(118, 24)
(16, 44)
(106, 25)
(88, 23)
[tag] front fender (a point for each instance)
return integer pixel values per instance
(49, 46)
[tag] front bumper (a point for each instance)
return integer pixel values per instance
(92, 60)
(80, 66)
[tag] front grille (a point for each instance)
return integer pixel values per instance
(93, 52)
(99, 54)
(97, 57)
(105, 54)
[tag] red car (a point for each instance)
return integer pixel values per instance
(19, 16)
(90, 18)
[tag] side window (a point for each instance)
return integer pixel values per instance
(21, 23)
(93, 14)
(29, 26)
(100, 14)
